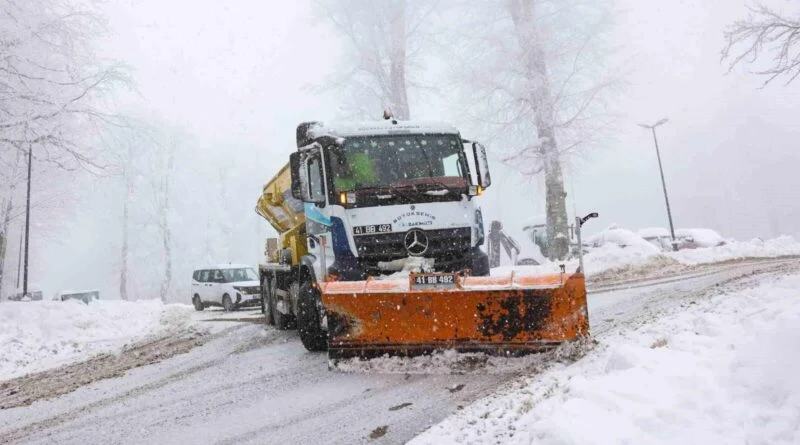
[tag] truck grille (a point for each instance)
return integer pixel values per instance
(390, 246)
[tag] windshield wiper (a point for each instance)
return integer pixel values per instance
(404, 195)
(443, 186)
(425, 154)
(393, 192)
(430, 170)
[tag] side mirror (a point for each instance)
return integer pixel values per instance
(307, 182)
(304, 133)
(295, 164)
(481, 165)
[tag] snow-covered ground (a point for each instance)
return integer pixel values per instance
(38, 335)
(722, 370)
(610, 256)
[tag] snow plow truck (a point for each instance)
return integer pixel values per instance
(379, 249)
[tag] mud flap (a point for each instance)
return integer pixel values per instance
(496, 315)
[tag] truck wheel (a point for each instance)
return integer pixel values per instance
(227, 304)
(266, 308)
(198, 303)
(479, 263)
(282, 321)
(309, 320)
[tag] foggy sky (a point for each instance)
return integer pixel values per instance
(233, 74)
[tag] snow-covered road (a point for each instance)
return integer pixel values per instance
(247, 385)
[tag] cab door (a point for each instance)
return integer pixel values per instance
(317, 214)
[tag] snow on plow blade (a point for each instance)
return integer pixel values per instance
(510, 315)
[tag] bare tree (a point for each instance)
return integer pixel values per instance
(51, 91)
(160, 182)
(7, 209)
(52, 83)
(535, 76)
(765, 31)
(384, 39)
(129, 173)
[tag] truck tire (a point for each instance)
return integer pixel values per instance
(282, 321)
(266, 309)
(309, 324)
(478, 262)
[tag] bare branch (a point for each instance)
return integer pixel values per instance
(765, 31)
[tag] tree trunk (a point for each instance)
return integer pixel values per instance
(123, 271)
(555, 204)
(166, 235)
(166, 238)
(4, 240)
(399, 93)
(9, 206)
(523, 16)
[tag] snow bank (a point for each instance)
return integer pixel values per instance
(781, 246)
(605, 257)
(43, 334)
(721, 371)
(610, 256)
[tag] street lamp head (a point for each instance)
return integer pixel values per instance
(650, 127)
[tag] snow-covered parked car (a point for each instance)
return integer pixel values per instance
(698, 238)
(229, 286)
(657, 236)
(623, 238)
(85, 296)
(685, 238)
(34, 294)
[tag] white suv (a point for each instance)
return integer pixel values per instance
(230, 286)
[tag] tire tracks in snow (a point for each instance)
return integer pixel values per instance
(642, 308)
(23, 391)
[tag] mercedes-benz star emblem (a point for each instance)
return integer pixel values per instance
(416, 242)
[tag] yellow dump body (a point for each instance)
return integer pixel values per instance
(284, 213)
(506, 315)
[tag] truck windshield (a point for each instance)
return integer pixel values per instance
(398, 160)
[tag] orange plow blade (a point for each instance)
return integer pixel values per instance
(496, 315)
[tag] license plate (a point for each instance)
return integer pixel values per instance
(428, 281)
(372, 229)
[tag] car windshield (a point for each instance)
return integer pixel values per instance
(243, 274)
(383, 161)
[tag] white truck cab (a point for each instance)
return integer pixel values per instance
(383, 196)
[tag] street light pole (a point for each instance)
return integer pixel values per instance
(19, 259)
(663, 183)
(27, 222)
